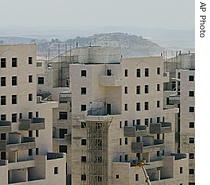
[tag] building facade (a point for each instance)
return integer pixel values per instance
(25, 126)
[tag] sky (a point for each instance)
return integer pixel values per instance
(167, 14)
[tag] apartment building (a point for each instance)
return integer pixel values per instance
(119, 119)
(25, 125)
(115, 112)
(182, 86)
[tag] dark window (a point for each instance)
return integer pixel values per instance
(146, 72)
(30, 115)
(191, 140)
(3, 81)
(158, 104)
(30, 60)
(83, 73)
(109, 72)
(138, 89)
(138, 73)
(146, 122)
(191, 93)
(83, 107)
(83, 124)
(40, 80)
(30, 78)
(30, 152)
(30, 97)
(126, 123)
(62, 148)
(137, 177)
(3, 100)
(20, 115)
(3, 155)
(3, 62)
(126, 73)
(37, 114)
(191, 78)
(158, 70)
(133, 122)
(120, 124)
(126, 141)
(117, 176)
(158, 87)
(191, 156)
(120, 141)
(146, 89)
(191, 171)
(63, 115)
(3, 136)
(191, 125)
(126, 90)
(83, 90)
(191, 109)
(55, 170)
(83, 177)
(146, 105)
(138, 122)
(14, 117)
(150, 120)
(158, 119)
(83, 141)
(178, 75)
(30, 133)
(120, 158)
(14, 62)
(126, 157)
(126, 107)
(83, 159)
(3, 117)
(62, 132)
(14, 99)
(37, 151)
(138, 106)
(37, 133)
(181, 170)
(138, 139)
(14, 80)
(158, 153)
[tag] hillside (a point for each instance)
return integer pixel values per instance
(131, 45)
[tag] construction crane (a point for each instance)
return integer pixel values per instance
(141, 164)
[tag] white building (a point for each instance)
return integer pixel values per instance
(25, 126)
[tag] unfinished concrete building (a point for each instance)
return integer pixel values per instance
(180, 92)
(115, 112)
(25, 125)
(118, 119)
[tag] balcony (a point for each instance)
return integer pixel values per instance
(175, 99)
(109, 81)
(21, 165)
(17, 144)
(32, 124)
(141, 147)
(160, 128)
(62, 141)
(5, 126)
(135, 131)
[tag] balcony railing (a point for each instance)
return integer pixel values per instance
(64, 141)
(135, 131)
(32, 124)
(140, 147)
(24, 144)
(5, 126)
(160, 128)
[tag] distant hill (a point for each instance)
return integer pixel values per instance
(131, 45)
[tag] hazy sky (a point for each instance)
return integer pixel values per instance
(169, 14)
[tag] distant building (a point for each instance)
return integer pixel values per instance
(25, 125)
(182, 95)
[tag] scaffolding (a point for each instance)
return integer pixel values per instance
(97, 151)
